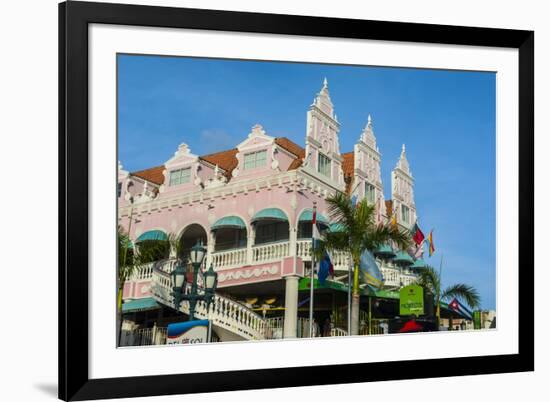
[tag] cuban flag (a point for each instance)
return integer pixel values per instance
(455, 305)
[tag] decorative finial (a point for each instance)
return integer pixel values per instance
(403, 149)
(325, 83)
(182, 149)
(369, 120)
(257, 129)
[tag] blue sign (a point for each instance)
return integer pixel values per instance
(187, 332)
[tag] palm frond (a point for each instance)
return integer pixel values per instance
(428, 278)
(466, 293)
(340, 209)
(381, 234)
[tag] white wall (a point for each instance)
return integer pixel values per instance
(28, 132)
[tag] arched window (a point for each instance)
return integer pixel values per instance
(305, 226)
(230, 233)
(153, 245)
(271, 225)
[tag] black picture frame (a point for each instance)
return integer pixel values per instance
(74, 18)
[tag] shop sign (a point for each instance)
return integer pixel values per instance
(411, 300)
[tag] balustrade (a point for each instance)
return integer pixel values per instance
(222, 311)
(143, 337)
(392, 276)
(229, 258)
(270, 251)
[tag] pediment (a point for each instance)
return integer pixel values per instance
(182, 156)
(256, 138)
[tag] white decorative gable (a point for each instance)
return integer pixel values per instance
(367, 156)
(182, 158)
(402, 190)
(122, 174)
(322, 138)
(257, 140)
(367, 172)
(367, 136)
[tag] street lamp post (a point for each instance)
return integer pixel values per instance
(210, 279)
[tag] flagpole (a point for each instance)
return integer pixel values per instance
(312, 272)
(349, 297)
(439, 294)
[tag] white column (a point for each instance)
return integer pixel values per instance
(210, 248)
(249, 244)
(292, 241)
(291, 307)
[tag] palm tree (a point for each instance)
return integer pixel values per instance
(430, 279)
(359, 232)
(132, 258)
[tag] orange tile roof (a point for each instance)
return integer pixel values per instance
(294, 149)
(295, 164)
(290, 146)
(154, 175)
(227, 160)
(347, 167)
(348, 164)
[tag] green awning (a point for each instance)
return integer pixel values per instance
(144, 304)
(303, 285)
(152, 235)
(385, 250)
(229, 222)
(307, 216)
(403, 258)
(270, 214)
(419, 264)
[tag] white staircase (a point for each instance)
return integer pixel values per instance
(224, 313)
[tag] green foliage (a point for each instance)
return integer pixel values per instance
(359, 228)
(430, 279)
(131, 257)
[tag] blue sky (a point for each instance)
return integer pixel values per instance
(445, 118)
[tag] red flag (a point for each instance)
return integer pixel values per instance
(418, 236)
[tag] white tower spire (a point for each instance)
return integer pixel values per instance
(322, 143)
(402, 191)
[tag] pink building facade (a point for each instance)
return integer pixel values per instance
(252, 207)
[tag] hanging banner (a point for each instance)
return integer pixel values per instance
(411, 300)
(188, 332)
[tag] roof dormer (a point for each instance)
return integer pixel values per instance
(181, 171)
(256, 155)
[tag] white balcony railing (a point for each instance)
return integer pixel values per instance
(142, 272)
(143, 337)
(270, 251)
(393, 276)
(223, 312)
(340, 260)
(230, 258)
